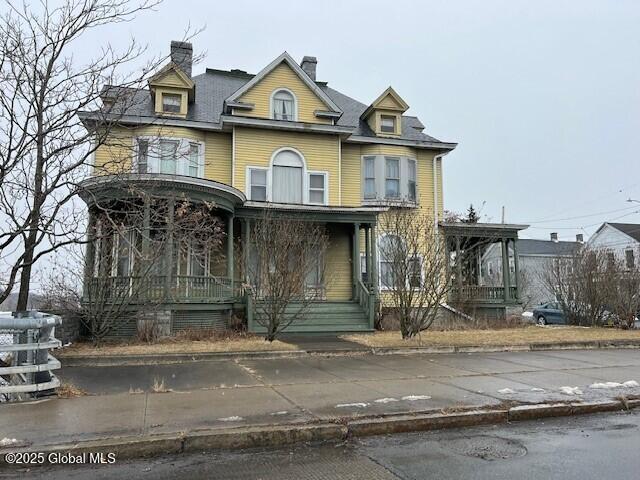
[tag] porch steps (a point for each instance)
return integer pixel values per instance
(323, 317)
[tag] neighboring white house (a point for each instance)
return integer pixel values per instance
(621, 239)
(534, 257)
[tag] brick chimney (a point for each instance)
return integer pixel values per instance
(579, 238)
(554, 237)
(309, 65)
(182, 55)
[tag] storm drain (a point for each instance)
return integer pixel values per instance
(485, 447)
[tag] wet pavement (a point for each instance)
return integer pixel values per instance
(215, 394)
(573, 448)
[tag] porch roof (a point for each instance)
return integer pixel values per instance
(483, 230)
(316, 213)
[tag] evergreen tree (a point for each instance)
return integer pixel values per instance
(472, 215)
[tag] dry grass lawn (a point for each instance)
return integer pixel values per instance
(506, 336)
(245, 343)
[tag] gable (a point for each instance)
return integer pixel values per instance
(390, 101)
(171, 76)
(610, 237)
(282, 76)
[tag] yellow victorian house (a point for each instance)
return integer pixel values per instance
(278, 139)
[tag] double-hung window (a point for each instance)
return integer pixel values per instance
(171, 102)
(392, 177)
(388, 123)
(143, 155)
(369, 177)
(258, 184)
(411, 180)
(168, 156)
(194, 160)
(415, 272)
(317, 188)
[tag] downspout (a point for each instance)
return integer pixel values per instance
(435, 187)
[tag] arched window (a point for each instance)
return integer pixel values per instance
(283, 106)
(287, 173)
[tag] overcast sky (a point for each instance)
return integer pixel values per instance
(543, 97)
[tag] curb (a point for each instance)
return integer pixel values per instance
(155, 359)
(339, 430)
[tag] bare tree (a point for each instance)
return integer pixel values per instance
(583, 284)
(624, 294)
(44, 147)
(285, 269)
(413, 268)
(130, 270)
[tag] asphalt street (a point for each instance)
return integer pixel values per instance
(580, 448)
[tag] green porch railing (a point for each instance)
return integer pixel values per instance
(367, 301)
(483, 294)
(178, 288)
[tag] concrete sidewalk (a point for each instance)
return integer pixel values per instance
(220, 394)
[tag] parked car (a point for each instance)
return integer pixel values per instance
(549, 313)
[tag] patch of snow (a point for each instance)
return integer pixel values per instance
(506, 391)
(282, 412)
(413, 398)
(571, 390)
(527, 314)
(386, 400)
(609, 385)
(356, 405)
(233, 418)
(5, 442)
(536, 389)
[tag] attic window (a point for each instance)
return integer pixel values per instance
(283, 106)
(171, 102)
(388, 123)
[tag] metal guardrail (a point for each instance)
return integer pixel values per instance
(25, 362)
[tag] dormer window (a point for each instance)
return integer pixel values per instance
(171, 102)
(283, 106)
(388, 123)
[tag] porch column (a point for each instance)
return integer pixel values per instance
(367, 251)
(146, 229)
(458, 265)
(374, 258)
(356, 258)
(516, 267)
(168, 268)
(245, 248)
(91, 250)
(230, 273)
(506, 280)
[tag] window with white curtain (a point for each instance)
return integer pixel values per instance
(392, 177)
(284, 105)
(258, 184)
(317, 188)
(287, 177)
(168, 156)
(194, 160)
(411, 179)
(369, 177)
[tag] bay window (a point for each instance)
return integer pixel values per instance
(171, 156)
(392, 178)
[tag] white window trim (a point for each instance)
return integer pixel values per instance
(182, 160)
(248, 181)
(380, 181)
(295, 104)
(326, 187)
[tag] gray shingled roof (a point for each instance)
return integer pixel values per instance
(213, 87)
(631, 229)
(545, 247)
